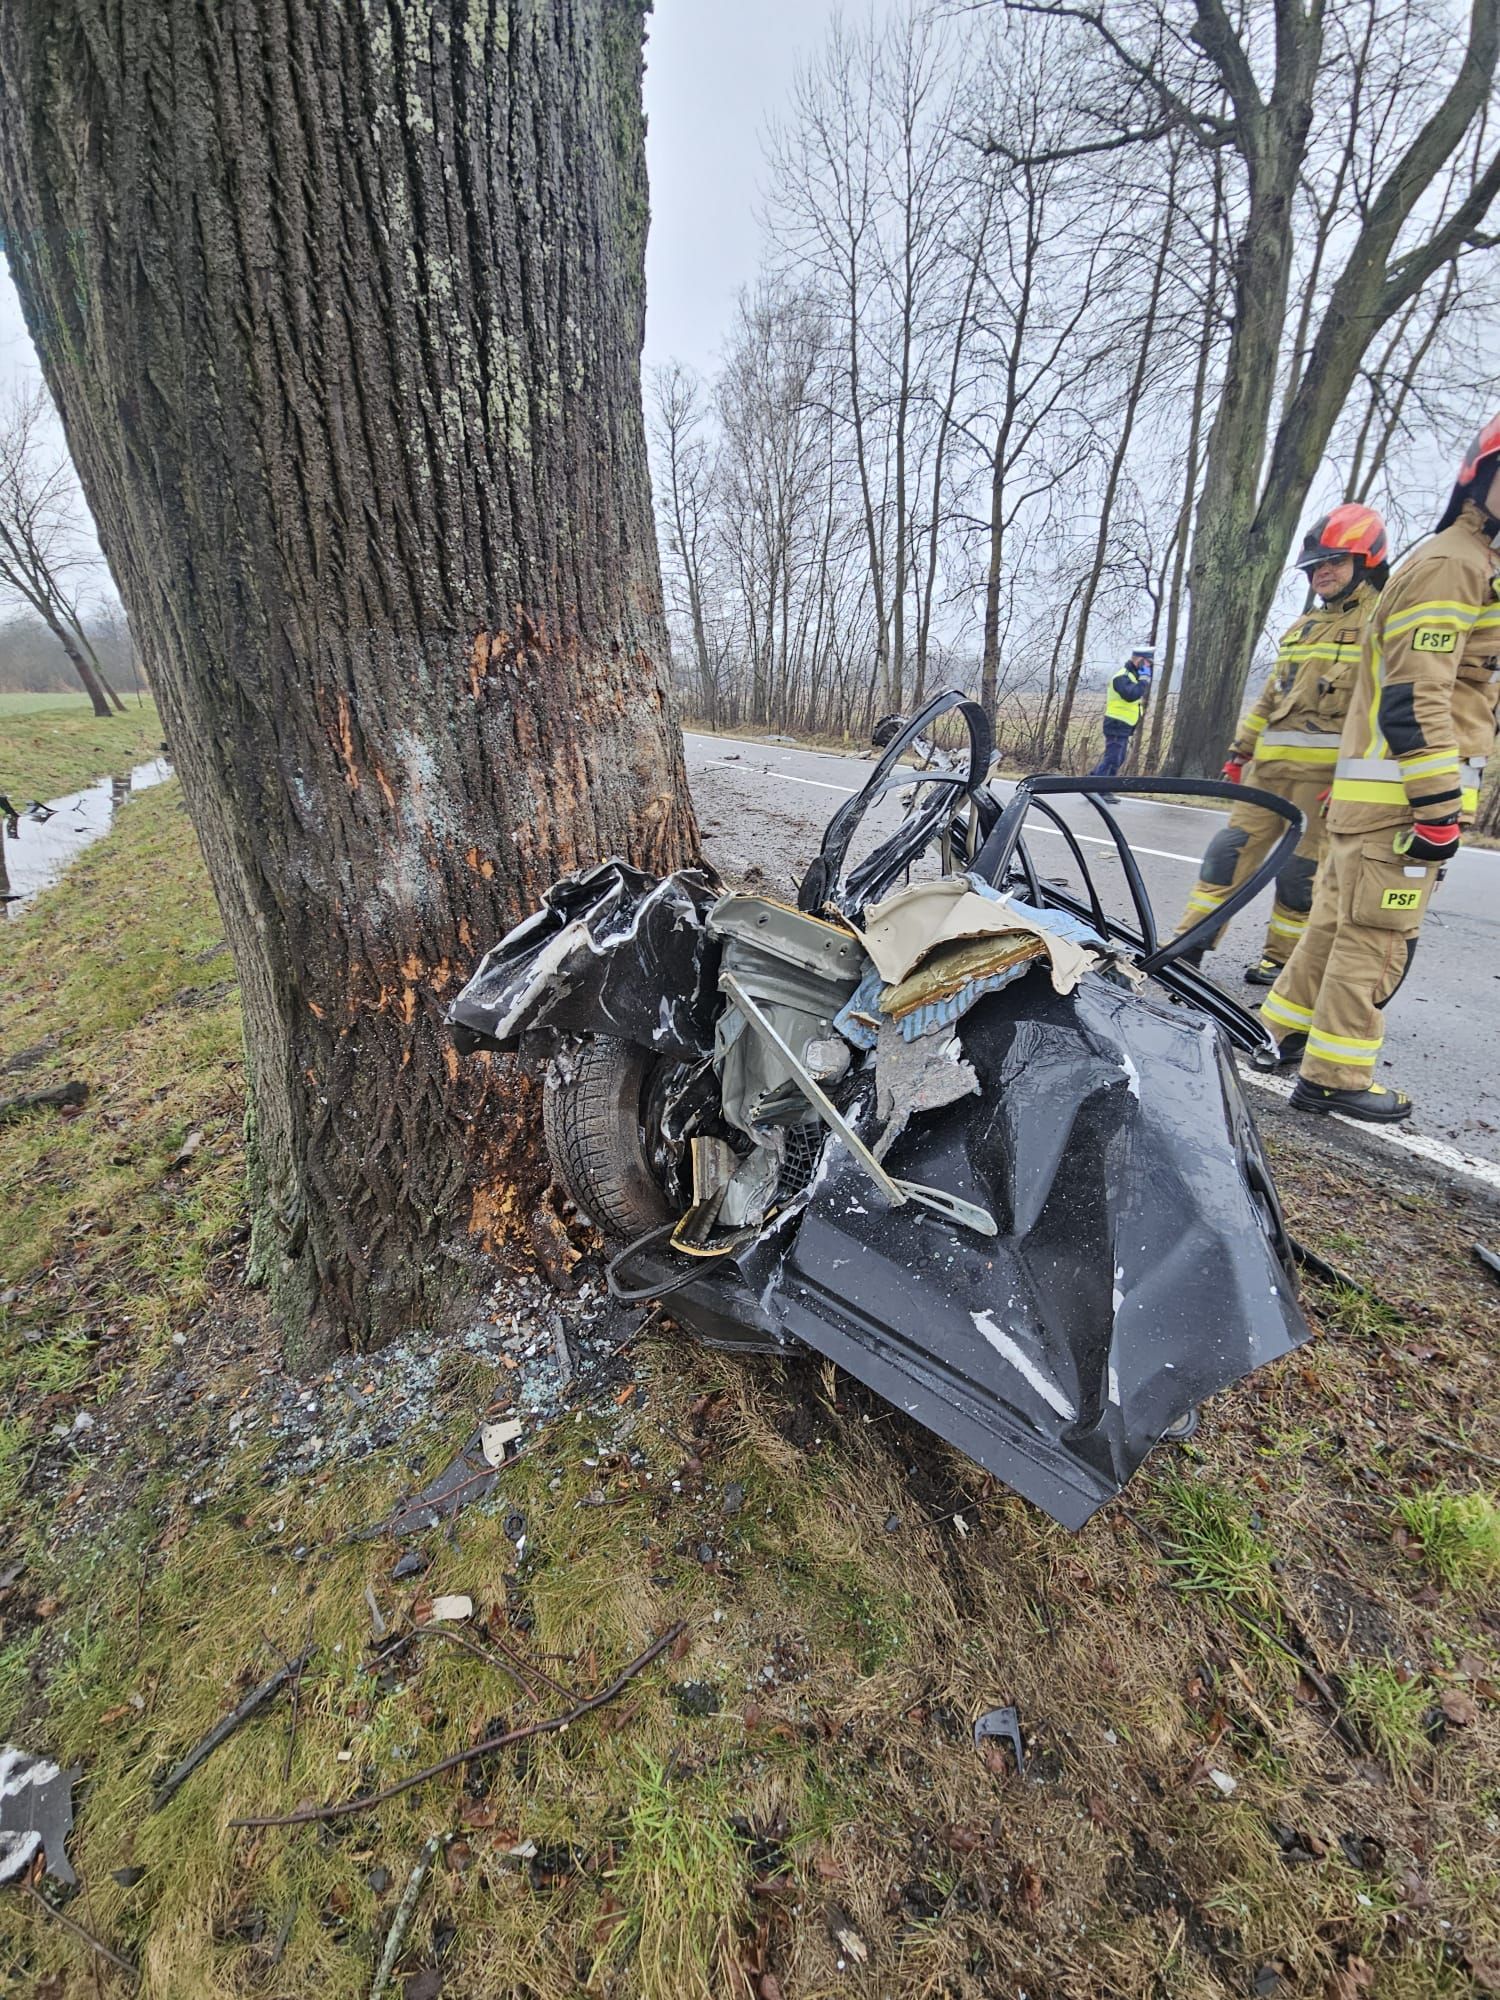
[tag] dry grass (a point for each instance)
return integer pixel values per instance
(791, 1803)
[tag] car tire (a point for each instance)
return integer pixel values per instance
(591, 1115)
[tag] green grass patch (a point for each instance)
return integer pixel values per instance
(1213, 1548)
(26, 701)
(48, 751)
(683, 1881)
(1459, 1533)
(1390, 1712)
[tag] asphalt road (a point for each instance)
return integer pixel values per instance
(765, 805)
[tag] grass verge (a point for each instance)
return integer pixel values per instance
(49, 751)
(790, 1803)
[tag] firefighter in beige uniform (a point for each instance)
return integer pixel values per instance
(1420, 727)
(1292, 734)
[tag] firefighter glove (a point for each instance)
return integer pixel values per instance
(1233, 769)
(1428, 843)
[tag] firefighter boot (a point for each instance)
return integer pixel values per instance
(1374, 1105)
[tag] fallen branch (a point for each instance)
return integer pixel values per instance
(1330, 1274)
(401, 1917)
(1463, 1450)
(1352, 1736)
(227, 1725)
(308, 1815)
(59, 1097)
(84, 1936)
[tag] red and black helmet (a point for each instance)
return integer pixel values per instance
(1350, 530)
(1475, 473)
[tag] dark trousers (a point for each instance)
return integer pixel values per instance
(1117, 737)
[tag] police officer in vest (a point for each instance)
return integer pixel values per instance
(1122, 711)
(1288, 740)
(1420, 726)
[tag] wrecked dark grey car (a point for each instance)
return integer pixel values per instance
(973, 1139)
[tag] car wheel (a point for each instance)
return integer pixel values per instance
(592, 1114)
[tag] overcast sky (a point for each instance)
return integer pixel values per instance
(715, 71)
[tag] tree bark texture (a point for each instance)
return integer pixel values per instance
(342, 303)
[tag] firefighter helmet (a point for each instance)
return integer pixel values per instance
(1350, 530)
(1478, 467)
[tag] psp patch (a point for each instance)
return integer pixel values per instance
(1400, 899)
(1433, 639)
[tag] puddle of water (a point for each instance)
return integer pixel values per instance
(43, 848)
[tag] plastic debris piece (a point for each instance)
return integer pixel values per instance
(185, 1151)
(1003, 1724)
(493, 1439)
(395, 1937)
(1489, 1258)
(378, 1626)
(451, 1609)
(36, 1812)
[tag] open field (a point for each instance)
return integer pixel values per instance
(50, 745)
(21, 701)
(1259, 1701)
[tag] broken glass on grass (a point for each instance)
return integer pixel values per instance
(974, 1140)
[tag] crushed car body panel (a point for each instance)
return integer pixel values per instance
(611, 951)
(1137, 1269)
(951, 1140)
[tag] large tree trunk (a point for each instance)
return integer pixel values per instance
(93, 682)
(342, 308)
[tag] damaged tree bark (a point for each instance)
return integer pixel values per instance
(342, 308)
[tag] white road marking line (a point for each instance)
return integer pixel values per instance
(1436, 1150)
(1093, 839)
(1099, 840)
(822, 785)
(765, 771)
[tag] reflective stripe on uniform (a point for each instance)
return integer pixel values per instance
(1349, 791)
(1429, 764)
(1438, 611)
(1252, 725)
(1298, 746)
(1378, 781)
(1203, 900)
(1343, 1049)
(1285, 1013)
(1291, 927)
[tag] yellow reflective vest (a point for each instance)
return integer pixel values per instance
(1118, 707)
(1293, 729)
(1423, 718)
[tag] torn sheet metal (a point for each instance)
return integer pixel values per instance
(36, 1813)
(1136, 1271)
(612, 952)
(925, 1073)
(1032, 1212)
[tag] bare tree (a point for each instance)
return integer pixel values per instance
(684, 512)
(1261, 89)
(43, 546)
